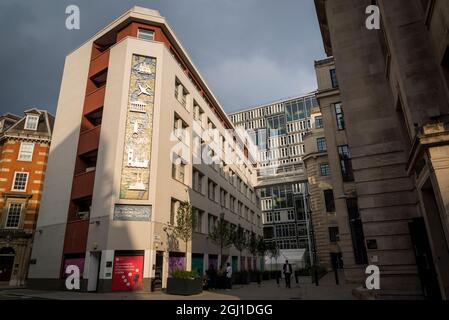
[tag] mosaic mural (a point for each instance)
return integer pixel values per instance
(125, 212)
(139, 129)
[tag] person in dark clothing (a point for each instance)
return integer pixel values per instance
(212, 277)
(287, 273)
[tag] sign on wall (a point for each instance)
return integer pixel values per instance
(135, 177)
(128, 273)
(125, 212)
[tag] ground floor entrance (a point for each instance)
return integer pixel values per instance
(7, 256)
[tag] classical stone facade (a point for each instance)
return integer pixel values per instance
(321, 195)
(394, 91)
(351, 240)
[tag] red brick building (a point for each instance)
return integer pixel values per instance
(24, 146)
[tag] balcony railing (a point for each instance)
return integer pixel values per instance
(83, 185)
(89, 140)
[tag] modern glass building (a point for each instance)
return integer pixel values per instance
(277, 132)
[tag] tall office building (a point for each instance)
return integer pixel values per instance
(277, 131)
(394, 91)
(137, 133)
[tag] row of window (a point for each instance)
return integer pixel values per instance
(211, 219)
(294, 109)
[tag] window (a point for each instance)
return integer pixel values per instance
(181, 93)
(345, 163)
(212, 221)
(173, 209)
(276, 125)
(199, 214)
(334, 80)
(333, 234)
(321, 144)
(339, 116)
(329, 200)
(197, 112)
(180, 129)
(178, 169)
(198, 181)
(13, 219)
(145, 34)
(319, 122)
(212, 186)
(358, 237)
(20, 181)
(31, 122)
(26, 151)
(324, 169)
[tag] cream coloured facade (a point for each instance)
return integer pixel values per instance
(145, 105)
(351, 242)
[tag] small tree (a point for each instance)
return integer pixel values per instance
(185, 223)
(273, 250)
(253, 246)
(240, 240)
(221, 235)
(261, 247)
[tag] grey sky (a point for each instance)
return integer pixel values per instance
(249, 51)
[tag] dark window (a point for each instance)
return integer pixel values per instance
(324, 169)
(321, 144)
(319, 122)
(340, 117)
(345, 163)
(334, 80)
(333, 234)
(358, 238)
(329, 200)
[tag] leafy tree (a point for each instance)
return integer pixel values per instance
(261, 247)
(221, 235)
(240, 240)
(253, 245)
(273, 251)
(185, 222)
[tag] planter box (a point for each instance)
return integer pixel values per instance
(184, 287)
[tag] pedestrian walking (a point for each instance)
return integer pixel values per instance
(228, 276)
(287, 273)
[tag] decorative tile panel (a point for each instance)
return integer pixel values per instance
(135, 176)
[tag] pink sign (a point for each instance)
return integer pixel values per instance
(128, 273)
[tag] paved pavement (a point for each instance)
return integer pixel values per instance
(267, 290)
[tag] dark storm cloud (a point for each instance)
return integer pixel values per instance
(249, 51)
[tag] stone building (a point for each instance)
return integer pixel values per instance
(351, 240)
(394, 91)
(24, 146)
(321, 195)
